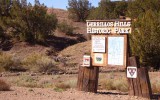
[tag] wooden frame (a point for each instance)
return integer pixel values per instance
(105, 54)
(124, 52)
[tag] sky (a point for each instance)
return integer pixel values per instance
(62, 4)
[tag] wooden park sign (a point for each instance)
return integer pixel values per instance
(109, 42)
(110, 49)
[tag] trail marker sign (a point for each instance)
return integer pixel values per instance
(131, 72)
(86, 61)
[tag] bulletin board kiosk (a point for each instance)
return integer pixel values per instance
(109, 48)
(109, 42)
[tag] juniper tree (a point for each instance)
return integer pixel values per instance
(79, 9)
(145, 41)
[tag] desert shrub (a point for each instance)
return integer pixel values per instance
(29, 23)
(4, 86)
(6, 62)
(115, 84)
(10, 63)
(79, 9)
(121, 85)
(146, 33)
(39, 63)
(45, 64)
(26, 81)
(72, 83)
(109, 85)
(66, 28)
(108, 10)
(155, 84)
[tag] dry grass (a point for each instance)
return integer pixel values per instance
(4, 86)
(39, 63)
(34, 62)
(5, 62)
(115, 84)
(32, 82)
(59, 87)
(155, 85)
(57, 82)
(74, 54)
(10, 62)
(118, 81)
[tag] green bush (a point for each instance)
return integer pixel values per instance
(79, 9)
(65, 28)
(108, 10)
(145, 39)
(26, 23)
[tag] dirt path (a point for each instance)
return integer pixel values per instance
(21, 93)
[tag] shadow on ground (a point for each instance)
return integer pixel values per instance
(156, 97)
(112, 93)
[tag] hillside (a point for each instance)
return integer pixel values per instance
(62, 15)
(59, 45)
(71, 57)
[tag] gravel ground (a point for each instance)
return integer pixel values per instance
(22, 93)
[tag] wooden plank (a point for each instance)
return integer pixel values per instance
(131, 87)
(91, 80)
(136, 92)
(96, 71)
(139, 85)
(134, 61)
(80, 78)
(145, 83)
(88, 79)
(133, 91)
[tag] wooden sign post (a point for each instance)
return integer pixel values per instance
(139, 86)
(110, 48)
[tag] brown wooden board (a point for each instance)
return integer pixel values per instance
(141, 85)
(88, 79)
(105, 54)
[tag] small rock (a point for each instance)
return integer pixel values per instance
(33, 74)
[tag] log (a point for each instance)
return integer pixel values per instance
(139, 86)
(88, 79)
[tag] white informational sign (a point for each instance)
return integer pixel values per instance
(98, 44)
(115, 50)
(86, 61)
(98, 58)
(131, 72)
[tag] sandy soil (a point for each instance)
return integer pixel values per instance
(22, 93)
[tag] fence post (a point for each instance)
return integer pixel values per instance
(139, 86)
(88, 79)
